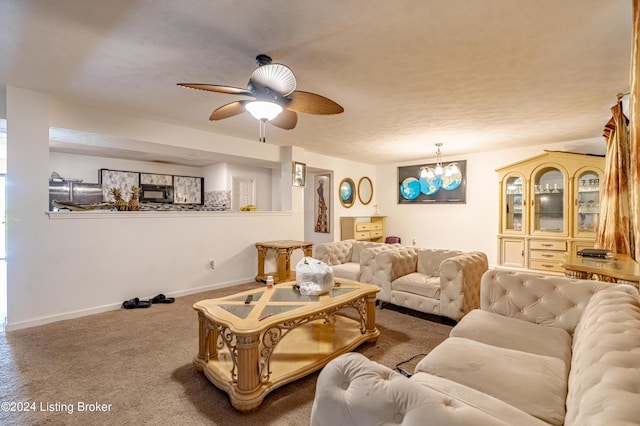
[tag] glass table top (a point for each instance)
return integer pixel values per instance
(270, 302)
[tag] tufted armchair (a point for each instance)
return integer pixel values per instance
(440, 282)
(345, 256)
(542, 350)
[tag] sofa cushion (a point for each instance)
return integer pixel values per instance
(352, 390)
(350, 271)
(511, 333)
(429, 260)
(533, 383)
(415, 302)
(418, 283)
(474, 398)
(604, 382)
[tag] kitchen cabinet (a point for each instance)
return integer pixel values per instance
(549, 205)
(368, 228)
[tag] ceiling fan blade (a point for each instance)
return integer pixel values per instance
(285, 120)
(310, 103)
(216, 88)
(228, 110)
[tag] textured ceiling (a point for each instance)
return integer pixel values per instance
(476, 75)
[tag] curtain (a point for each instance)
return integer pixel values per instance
(634, 138)
(614, 230)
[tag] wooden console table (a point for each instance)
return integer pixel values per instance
(622, 269)
(284, 248)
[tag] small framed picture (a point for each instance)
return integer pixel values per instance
(299, 174)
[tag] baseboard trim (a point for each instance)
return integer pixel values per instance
(11, 326)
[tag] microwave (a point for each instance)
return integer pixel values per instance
(156, 193)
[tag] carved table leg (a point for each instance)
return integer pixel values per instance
(207, 342)
(261, 257)
(283, 265)
(370, 322)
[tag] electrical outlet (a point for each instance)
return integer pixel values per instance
(413, 242)
(212, 263)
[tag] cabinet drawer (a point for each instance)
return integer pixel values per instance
(376, 226)
(362, 235)
(546, 265)
(547, 255)
(363, 226)
(548, 245)
(376, 234)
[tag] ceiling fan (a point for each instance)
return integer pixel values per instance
(275, 100)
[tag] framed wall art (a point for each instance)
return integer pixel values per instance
(298, 174)
(322, 203)
(433, 183)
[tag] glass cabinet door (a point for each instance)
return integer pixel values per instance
(588, 203)
(548, 208)
(513, 204)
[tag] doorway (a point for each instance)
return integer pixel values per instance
(243, 192)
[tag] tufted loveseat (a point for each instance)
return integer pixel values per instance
(541, 350)
(434, 281)
(344, 256)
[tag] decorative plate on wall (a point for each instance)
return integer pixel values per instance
(347, 192)
(410, 188)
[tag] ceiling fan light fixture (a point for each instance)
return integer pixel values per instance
(263, 110)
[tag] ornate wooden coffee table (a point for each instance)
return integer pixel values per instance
(248, 350)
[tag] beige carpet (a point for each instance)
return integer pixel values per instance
(137, 364)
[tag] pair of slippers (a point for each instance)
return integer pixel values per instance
(136, 303)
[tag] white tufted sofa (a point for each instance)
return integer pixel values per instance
(344, 256)
(541, 350)
(440, 282)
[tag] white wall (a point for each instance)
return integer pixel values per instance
(470, 226)
(215, 177)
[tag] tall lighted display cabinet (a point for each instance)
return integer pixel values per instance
(549, 205)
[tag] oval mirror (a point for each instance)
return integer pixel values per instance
(365, 190)
(347, 192)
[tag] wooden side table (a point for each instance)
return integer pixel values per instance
(621, 270)
(284, 248)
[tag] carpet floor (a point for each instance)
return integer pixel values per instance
(135, 367)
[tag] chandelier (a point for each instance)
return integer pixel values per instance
(432, 179)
